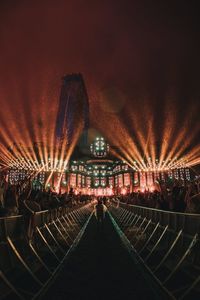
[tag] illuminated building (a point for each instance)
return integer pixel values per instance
(93, 171)
(99, 148)
(146, 178)
(100, 174)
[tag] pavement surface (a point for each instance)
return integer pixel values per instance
(99, 268)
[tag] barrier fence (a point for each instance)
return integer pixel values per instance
(190, 223)
(34, 247)
(166, 243)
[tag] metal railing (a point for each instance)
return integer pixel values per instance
(34, 248)
(166, 245)
(175, 220)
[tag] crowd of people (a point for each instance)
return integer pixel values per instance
(15, 199)
(19, 199)
(176, 197)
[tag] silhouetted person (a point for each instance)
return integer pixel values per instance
(100, 210)
(2, 192)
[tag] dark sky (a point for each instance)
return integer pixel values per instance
(140, 60)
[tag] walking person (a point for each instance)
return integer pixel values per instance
(100, 210)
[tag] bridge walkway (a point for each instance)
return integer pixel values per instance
(100, 268)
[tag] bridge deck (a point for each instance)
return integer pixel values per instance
(99, 268)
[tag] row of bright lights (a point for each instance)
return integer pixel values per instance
(59, 165)
(158, 166)
(51, 165)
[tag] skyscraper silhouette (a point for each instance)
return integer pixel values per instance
(73, 108)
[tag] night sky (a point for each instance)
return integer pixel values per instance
(140, 61)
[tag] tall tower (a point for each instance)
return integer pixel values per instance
(73, 108)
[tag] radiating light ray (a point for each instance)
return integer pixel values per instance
(128, 147)
(136, 138)
(184, 139)
(48, 179)
(134, 131)
(48, 153)
(57, 188)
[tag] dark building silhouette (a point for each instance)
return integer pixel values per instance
(73, 108)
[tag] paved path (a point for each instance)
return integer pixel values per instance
(100, 268)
